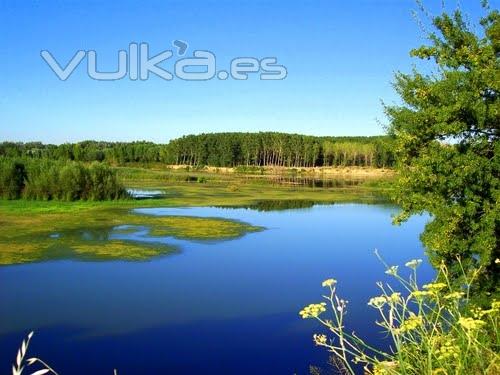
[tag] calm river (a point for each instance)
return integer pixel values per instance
(223, 307)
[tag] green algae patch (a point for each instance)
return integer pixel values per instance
(20, 252)
(185, 227)
(121, 250)
(104, 234)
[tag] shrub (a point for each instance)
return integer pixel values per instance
(103, 183)
(12, 178)
(74, 182)
(42, 179)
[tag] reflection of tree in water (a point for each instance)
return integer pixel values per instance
(276, 205)
(315, 182)
(101, 234)
(279, 205)
(301, 181)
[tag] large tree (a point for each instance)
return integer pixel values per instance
(448, 149)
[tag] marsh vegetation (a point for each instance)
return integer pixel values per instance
(45, 179)
(103, 234)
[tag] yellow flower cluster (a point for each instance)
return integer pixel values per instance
(454, 295)
(477, 312)
(394, 297)
(377, 302)
(392, 270)
(448, 350)
(329, 282)
(471, 324)
(313, 310)
(319, 339)
(385, 368)
(413, 322)
(380, 301)
(494, 310)
(419, 294)
(434, 287)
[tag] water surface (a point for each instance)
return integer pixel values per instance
(225, 307)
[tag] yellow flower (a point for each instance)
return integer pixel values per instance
(477, 312)
(394, 297)
(319, 339)
(414, 263)
(471, 324)
(329, 282)
(413, 322)
(313, 310)
(447, 349)
(454, 295)
(384, 368)
(393, 270)
(419, 294)
(435, 286)
(495, 309)
(378, 302)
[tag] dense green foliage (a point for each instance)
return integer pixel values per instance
(223, 150)
(448, 143)
(279, 149)
(12, 179)
(43, 179)
(87, 151)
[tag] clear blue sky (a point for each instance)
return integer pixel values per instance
(340, 55)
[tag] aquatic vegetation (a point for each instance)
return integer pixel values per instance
(185, 227)
(26, 226)
(26, 249)
(435, 329)
(105, 234)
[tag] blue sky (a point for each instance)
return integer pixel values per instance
(340, 56)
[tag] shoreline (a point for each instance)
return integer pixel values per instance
(352, 171)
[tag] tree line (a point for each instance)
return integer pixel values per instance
(222, 150)
(279, 149)
(43, 179)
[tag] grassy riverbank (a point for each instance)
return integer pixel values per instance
(155, 175)
(36, 230)
(187, 187)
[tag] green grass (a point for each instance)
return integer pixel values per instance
(234, 192)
